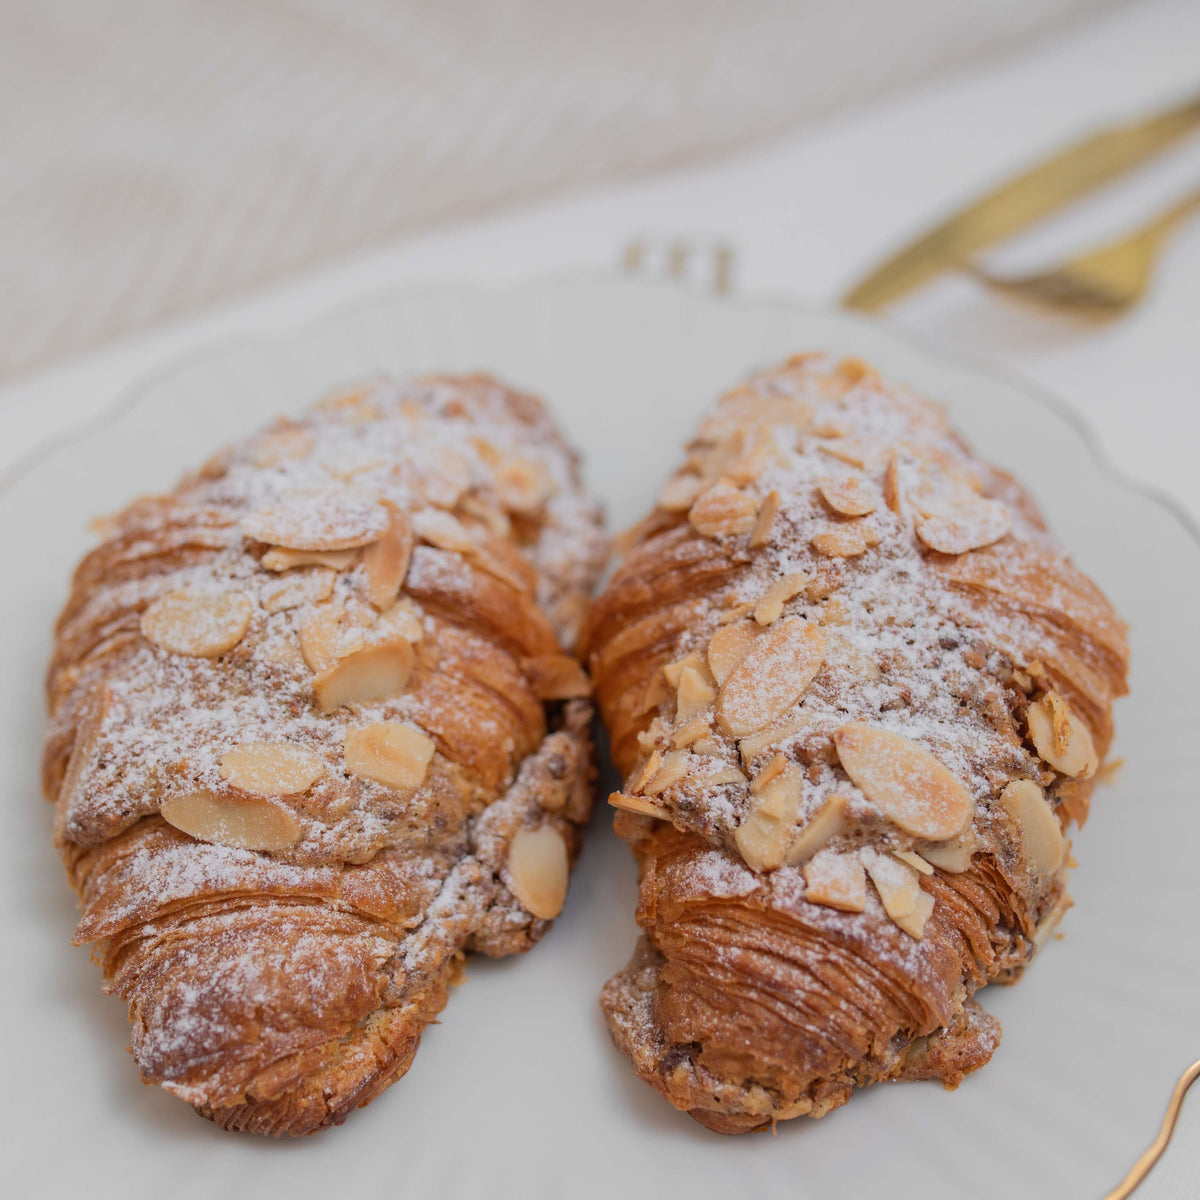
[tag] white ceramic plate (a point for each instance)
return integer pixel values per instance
(518, 1093)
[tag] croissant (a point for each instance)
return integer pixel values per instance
(314, 737)
(858, 694)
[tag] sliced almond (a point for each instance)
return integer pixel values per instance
(953, 857)
(386, 561)
(735, 613)
(403, 619)
(326, 636)
(745, 408)
(772, 770)
(388, 752)
(523, 486)
(723, 775)
(305, 587)
(770, 607)
(832, 429)
(722, 511)
(281, 445)
(674, 767)
(692, 732)
(556, 677)
(836, 881)
(673, 671)
(648, 771)
(849, 495)
(967, 526)
(1061, 738)
(845, 540)
(243, 822)
(694, 693)
(443, 530)
(271, 768)
(637, 804)
(198, 624)
(912, 788)
(279, 559)
(763, 836)
(828, 822)
(376, 672)
(751, 747)
(679, 492)
(891, 485)
(728, 646)
(333, 518)
(857, 453)
(772, 676)
(1041, 835)
(538, 870)
(914, 860)
(900, 891)
(841, 653)
(767, 512)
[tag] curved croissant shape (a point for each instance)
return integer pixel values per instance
(858, 693)
(314, 737)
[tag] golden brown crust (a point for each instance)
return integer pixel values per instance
(300, 712)
(856, 691)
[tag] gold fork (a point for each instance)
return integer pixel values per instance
(1101, 282)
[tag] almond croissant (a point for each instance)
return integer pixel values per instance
(858, 693)
(314, 737)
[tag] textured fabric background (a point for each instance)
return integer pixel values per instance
(157, 156)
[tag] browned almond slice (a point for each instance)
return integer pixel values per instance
(243, 822)
(679, 492)
(772, 677)
(441, 477)
(637, 804)
(376, 672)
(825, 824)
(674, 767)
(386, 561)
(849, 495)
(673, 671)
(694, 693)
(722, 775)
(915, 791)
(442, 530)
(692, 732)
(281, 445)
(832, 429)
(772, 770)
(770, 607)
(1041, 834)
(735, 613)
(751, 747)
(728, 646)
(538, 870)
(496, 519)
(556, 677)
(836, 881)
(763, 836)
(198, 624)
(388, 752)
(1061, 738)
(648, 771)
(954, 856)
(305, 587)
(900, 891)
(279, 559)
(403, 619)
(722, 511)
(351, 404)
(891, 485)
(326, 636)
(767, 512)
(334, 518)
(865, 455)
(843, 654)
(965, 527)
(744, 407)
(846, 540)
(271, 768)
(523, 486)
(914, 860)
